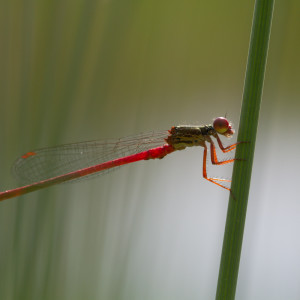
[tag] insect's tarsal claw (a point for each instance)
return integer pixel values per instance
(232, 195)
(244, 142)
(240, 159)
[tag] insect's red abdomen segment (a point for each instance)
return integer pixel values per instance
(160, 152)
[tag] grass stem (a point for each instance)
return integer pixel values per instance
(237, 208)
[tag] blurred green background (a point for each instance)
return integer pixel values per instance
(82, 70)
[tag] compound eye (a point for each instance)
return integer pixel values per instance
(221, 125)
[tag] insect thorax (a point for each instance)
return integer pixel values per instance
(188, 136)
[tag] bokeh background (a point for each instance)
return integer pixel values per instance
(82, 70)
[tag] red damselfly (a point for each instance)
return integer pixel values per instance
(49, 166)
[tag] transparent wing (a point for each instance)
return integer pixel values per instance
(45, 163)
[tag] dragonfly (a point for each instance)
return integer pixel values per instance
(46, 167)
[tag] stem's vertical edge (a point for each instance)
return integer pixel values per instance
(237, 208)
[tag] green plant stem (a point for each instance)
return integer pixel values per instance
(236, 214)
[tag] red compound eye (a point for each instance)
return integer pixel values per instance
(221, 125)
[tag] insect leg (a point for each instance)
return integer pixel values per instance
(214, 158)
(213, 180)
(228, 148)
